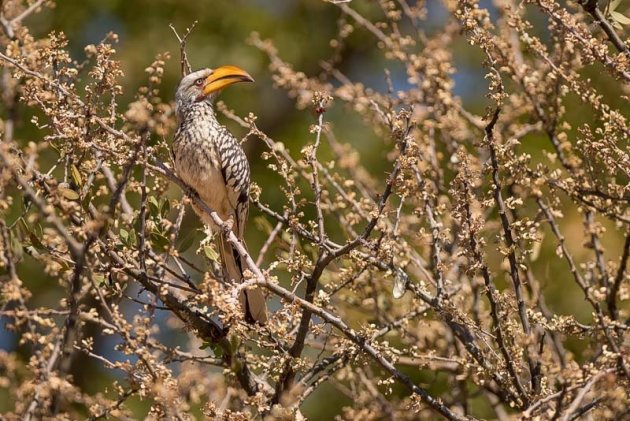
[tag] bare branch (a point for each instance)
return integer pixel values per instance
(185, 64)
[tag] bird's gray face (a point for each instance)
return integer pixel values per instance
(205, 84)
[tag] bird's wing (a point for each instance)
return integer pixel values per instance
(236, 176)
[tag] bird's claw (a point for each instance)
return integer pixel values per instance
(227, 225)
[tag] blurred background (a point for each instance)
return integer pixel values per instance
(301, 30)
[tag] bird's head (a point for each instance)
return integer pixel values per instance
(205, 84)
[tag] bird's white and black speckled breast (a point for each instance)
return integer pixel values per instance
(210, 160)
(197, 161)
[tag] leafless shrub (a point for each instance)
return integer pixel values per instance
(434, 267)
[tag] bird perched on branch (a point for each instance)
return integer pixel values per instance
(211, 161)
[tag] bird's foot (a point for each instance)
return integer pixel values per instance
(227, 225)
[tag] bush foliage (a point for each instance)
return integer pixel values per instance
(482, 274)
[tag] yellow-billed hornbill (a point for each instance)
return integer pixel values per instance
(211, 161)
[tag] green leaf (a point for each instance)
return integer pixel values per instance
(613, 5)
(128, 237)
(159, 240)
(68, 193)
(166, 208)
(217, 351)
(618, 17)
(154, 205)
(76, 175)
(35, 241)
(211, 253)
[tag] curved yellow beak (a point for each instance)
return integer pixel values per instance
(225, 76)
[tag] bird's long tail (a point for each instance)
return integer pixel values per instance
(252, 299)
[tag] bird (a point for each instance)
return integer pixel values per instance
(209, 159)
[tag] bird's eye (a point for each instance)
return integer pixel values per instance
(199, 82)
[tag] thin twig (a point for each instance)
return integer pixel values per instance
(184, 63)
